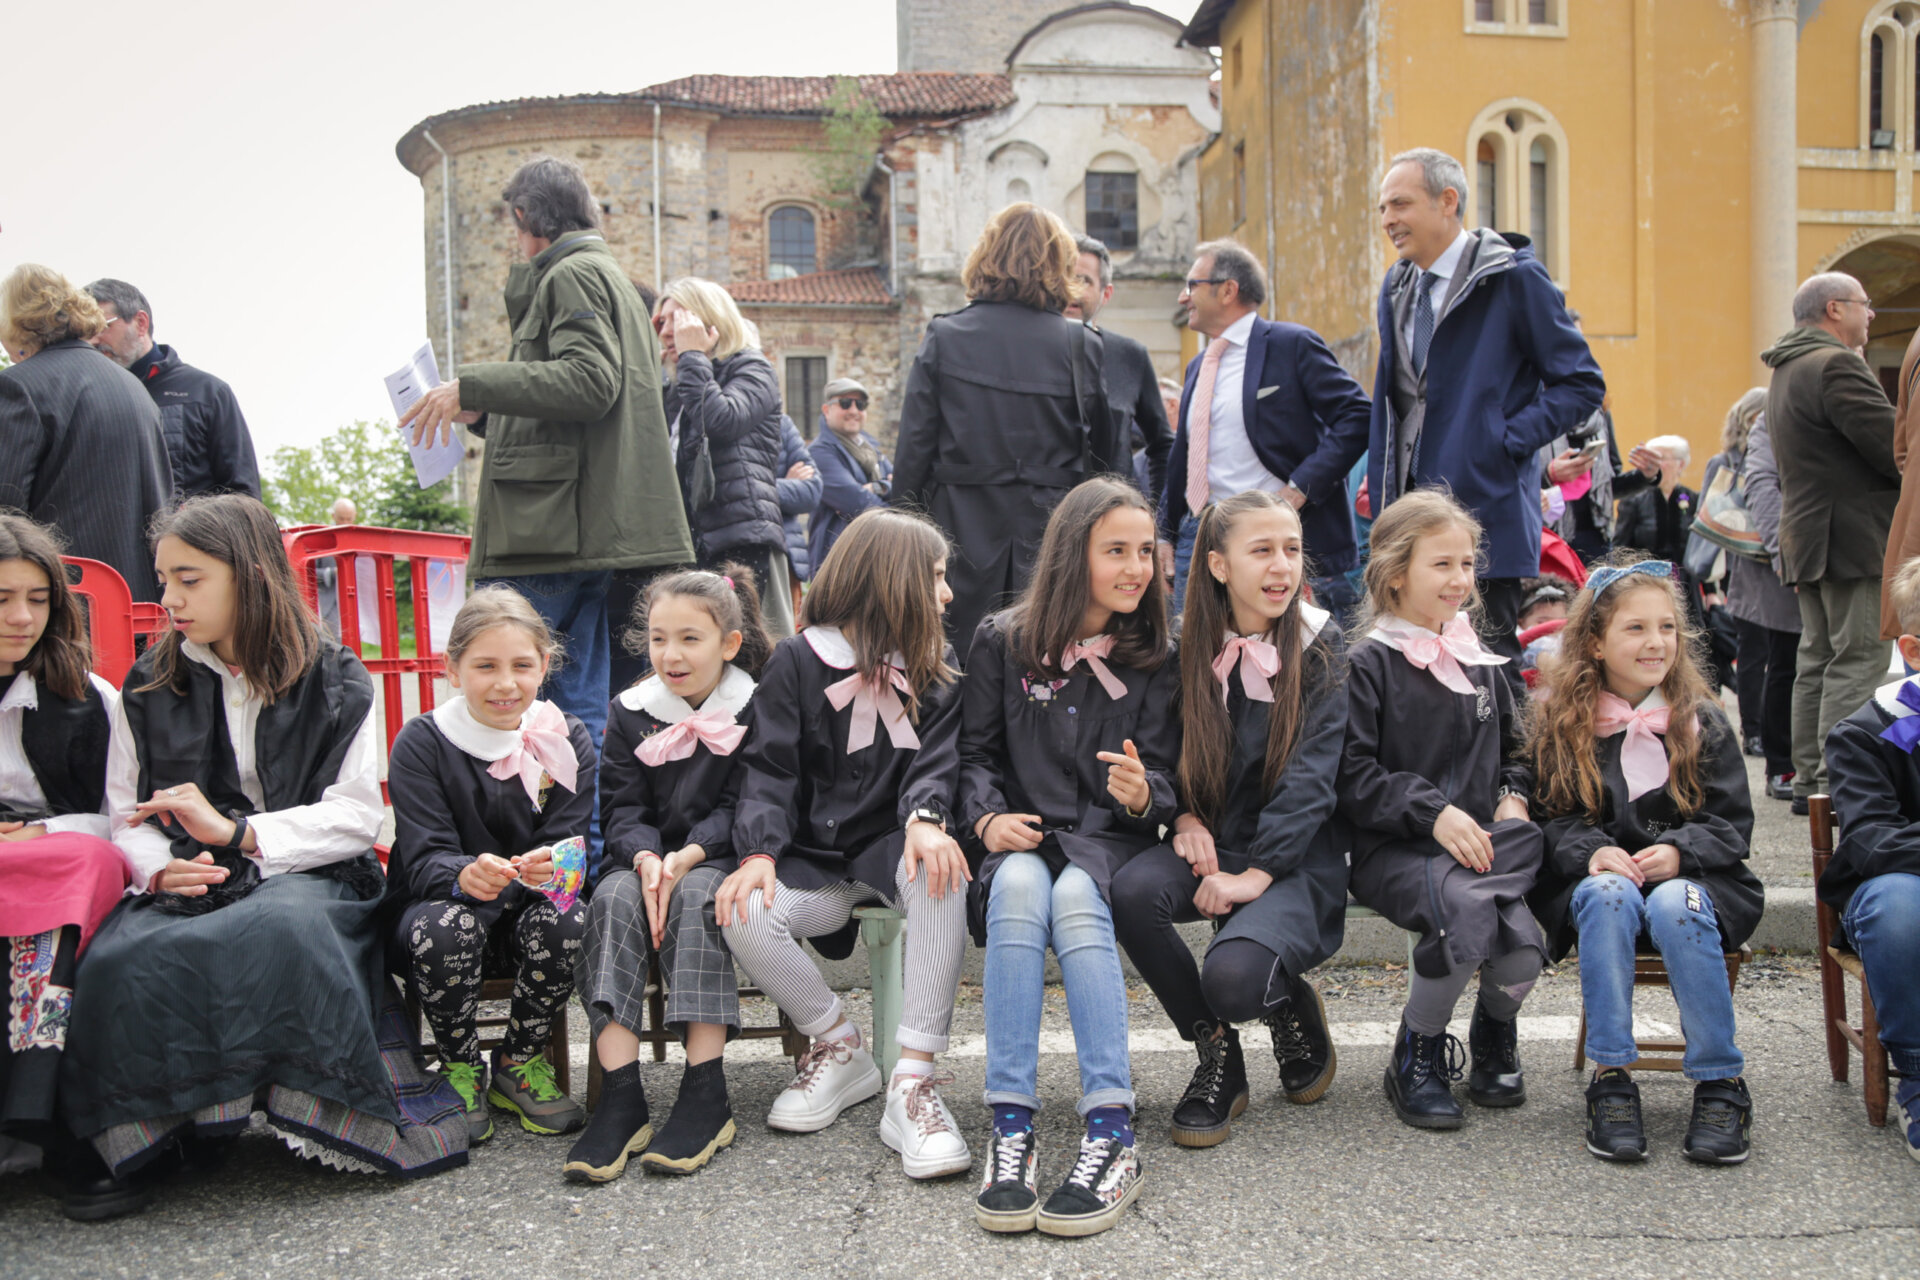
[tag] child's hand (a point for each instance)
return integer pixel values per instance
(484, 877)
(188, 879)
(1220, 893)
(1464, 838)
(730, 902)
(931, 849)
(659, 877)
(1658, 862)
(21, 830)
(1127, 779)
(1192, 841)
(1010, 832)
(1617, 860)
(192, 812)
(535, 867)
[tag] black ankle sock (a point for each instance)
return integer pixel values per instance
(699, 1113)
(621, 1114)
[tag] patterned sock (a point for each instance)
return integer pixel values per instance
(1111, 1122)
(1011, 1117)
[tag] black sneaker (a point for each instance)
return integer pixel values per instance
(1216, 1094)
(1614, 1130)
(1009, 1193)
(1496, 1080)
(700, 1123)
(1104, 1181)
(1418, 1078)
(1721, 1125)
(1753, 746)
(1301, 1045)
(1799, 807)
(1780, 786)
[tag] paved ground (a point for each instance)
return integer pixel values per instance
(1340, 1188)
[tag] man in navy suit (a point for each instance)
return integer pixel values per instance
(1278, 413)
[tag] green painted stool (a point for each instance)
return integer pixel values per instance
(881, 932)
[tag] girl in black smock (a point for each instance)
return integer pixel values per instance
(1257, 847)
(1441, 846)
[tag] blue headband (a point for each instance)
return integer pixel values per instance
(1607, 575)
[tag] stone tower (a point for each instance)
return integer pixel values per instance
(966, 35)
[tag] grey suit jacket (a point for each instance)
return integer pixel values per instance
(81, 449)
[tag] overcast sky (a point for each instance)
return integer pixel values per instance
(235, 160)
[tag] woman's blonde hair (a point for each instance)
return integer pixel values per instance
(500, 605)
(39, 307)
(1406, 520)
(1026, 255)
(715, 308)
(1740, 419)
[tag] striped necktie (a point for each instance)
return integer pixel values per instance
(1200, 423)
(1423, 321)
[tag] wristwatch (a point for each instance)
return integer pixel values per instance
(1510, 793)
(239, 830)
(934, 816)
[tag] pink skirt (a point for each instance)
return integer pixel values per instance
(58, 880)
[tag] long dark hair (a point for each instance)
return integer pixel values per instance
(877, 587)
(276, 636)
(1206, 754)
(730, 598)
(64, 654)
(1048, 616)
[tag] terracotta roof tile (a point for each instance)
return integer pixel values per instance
(857, 287)
(910, 93)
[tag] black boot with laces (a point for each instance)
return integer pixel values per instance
(1722, 1121)
(1301, 1044)
(1218, 1091)
(1496, 1079)
(1614, 1128)
(1418, 1076)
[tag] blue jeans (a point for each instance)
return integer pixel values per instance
(1611, 913)
(1882, 921)
(1336, 593)
(1027, 908)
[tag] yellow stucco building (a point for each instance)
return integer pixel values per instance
(1680, 164)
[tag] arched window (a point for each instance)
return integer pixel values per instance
(1113, 203)
(1890, 76)
(1486, 181)
(1520, 178)
(790, 243)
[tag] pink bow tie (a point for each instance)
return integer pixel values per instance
(874, 701)
(677, 741)
(1446, 655)
(1259, 663)
(1643, 757)
(1094, 652)
(544, 747)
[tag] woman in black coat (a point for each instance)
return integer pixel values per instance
(724, 391)
(992, 430)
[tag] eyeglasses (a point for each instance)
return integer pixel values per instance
(1195, 284)
(848, 403)
(1858, 302)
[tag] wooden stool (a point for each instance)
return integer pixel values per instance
(493, 1029)
(1649, 970)
(659, 1036)
(1837, 961)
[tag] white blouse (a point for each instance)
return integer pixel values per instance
(18, 787)
(342, 824)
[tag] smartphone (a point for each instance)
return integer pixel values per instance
(1593, 448)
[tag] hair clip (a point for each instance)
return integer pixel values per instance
(729, 581)
(1607, 575)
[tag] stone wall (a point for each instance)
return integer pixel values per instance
(966, 35)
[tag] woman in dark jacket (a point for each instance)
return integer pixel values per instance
(992, 431)
(723, 390)
(799, 486)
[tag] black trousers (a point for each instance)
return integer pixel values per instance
(1499, 625)
(1764, 670)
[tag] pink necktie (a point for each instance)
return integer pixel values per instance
(1094, 652)
(677, 741)
(1200, 424)
(1259, 663)
(872, 702)
(1445, 655)
(545, 746)
(1643, 757)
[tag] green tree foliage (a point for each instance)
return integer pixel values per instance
(365, 462)
(852, 130)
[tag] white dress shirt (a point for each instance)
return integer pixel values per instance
(342, 824)
(1444, 266)
(1232, 465)
(18, 787)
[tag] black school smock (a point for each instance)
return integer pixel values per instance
(1713, 843)
(448, 810)
(823, 816)
(1031, 745)
(667, 806)
(1876, 796)
(1414, 747)
(1293, 832)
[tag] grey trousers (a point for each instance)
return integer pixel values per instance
(1841, 661)
(694, 961)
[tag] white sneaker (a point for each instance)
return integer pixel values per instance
(834, 1075)
(919, 1126)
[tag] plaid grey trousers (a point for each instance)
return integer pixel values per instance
(617, 950)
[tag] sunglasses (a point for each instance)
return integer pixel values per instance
(847, 403)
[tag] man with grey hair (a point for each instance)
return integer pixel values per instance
(1831, 428)
(1265, 406)
(1480, 367)
(207, 438)
(1133, 388)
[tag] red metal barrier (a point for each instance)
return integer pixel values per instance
(113, 619)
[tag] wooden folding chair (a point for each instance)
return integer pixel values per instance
(1649, 970)
(1837, 961)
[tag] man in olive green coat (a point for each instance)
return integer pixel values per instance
(578, 481)
(1832, 433)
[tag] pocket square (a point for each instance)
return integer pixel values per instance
(1264, 392)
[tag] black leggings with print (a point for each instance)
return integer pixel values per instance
(451, 950)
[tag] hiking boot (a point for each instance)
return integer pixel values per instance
(465, 1079)
(1301, 1045)
(1104, 1181)
(529, 1090)
(700, 1123)
(834, 1075)
(1009, 1192)
(1614, 1129)
(1494, 1046)
(1216, 1093)
(1722, 1121)
(1418, 1078)
(617, 1131)
(918, 1125)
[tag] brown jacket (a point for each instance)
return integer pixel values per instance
(1903, 541)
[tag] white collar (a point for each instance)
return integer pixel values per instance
(481, 741)
(1654, 700)
(205, 656)
(1448, 262)
(834, 649)
(1315, 620)
(1887, 695)
(653, 697)
(1240, 332)
(22, 695)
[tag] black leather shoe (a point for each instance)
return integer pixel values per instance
(1780, 786)
(1216, 1094)
(1799, 806)
(1494, 1045)
(1722, 1121)
(1418, 1077)
(1614, 1129)
(1301, 1045)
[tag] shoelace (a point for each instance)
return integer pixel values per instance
(1093, 1154)
(1716, 1113)
(1289, 1035)
(815, 1061)
(464, 1077)
(1614, 1108)
(536, 1076)
(923, 1104)
(1441, 1056)
(1010, 1156)
(1212, 1071)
